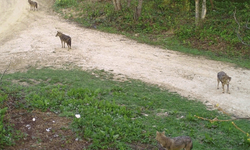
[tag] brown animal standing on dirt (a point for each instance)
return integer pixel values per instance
(64, 39)
(177, 143)
(33, 5)
(224, 79)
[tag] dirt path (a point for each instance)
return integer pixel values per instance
(28, 39)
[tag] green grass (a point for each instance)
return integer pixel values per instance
(113, 113)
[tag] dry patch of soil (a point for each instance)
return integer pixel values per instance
(44, 130)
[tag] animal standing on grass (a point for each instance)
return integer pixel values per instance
(64, 39)
(33, 5)
(224, 79)
(177, 143)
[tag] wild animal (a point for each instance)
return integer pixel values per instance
(224, 79)
(176, 143)
(33, 5)
(64, 39)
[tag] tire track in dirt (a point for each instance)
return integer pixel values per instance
(28, 39)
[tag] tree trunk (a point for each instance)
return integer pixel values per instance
(212, 4)
(196, 12)
(114, 3)
(139, 7)
(204, 10)
(117, 4)
(138, 10)
(128, 3)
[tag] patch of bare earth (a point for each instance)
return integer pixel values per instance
(46, 130)
(43, 130)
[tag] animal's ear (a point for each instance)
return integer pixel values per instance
(157, 132)
(163, 132)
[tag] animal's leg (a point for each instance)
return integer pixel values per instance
(218, 83)
(69, 47)
(223, 88)
(228, 89)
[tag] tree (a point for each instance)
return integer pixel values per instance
(138, 9)
(197, 12)
(117, 5)
(203, 11)
(212, 4)
(238, 30)
(128, 3)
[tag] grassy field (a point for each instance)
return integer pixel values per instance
(96, 112)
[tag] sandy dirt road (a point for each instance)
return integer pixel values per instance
(28, 39)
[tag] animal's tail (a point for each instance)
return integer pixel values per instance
(36, 5)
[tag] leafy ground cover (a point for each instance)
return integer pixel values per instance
(71, 108)
(170, 24)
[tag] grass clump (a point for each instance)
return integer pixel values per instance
(110, 114)
(8, 135)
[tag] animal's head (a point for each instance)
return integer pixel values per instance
(228, 80)
(159, 135)
(58, 33)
